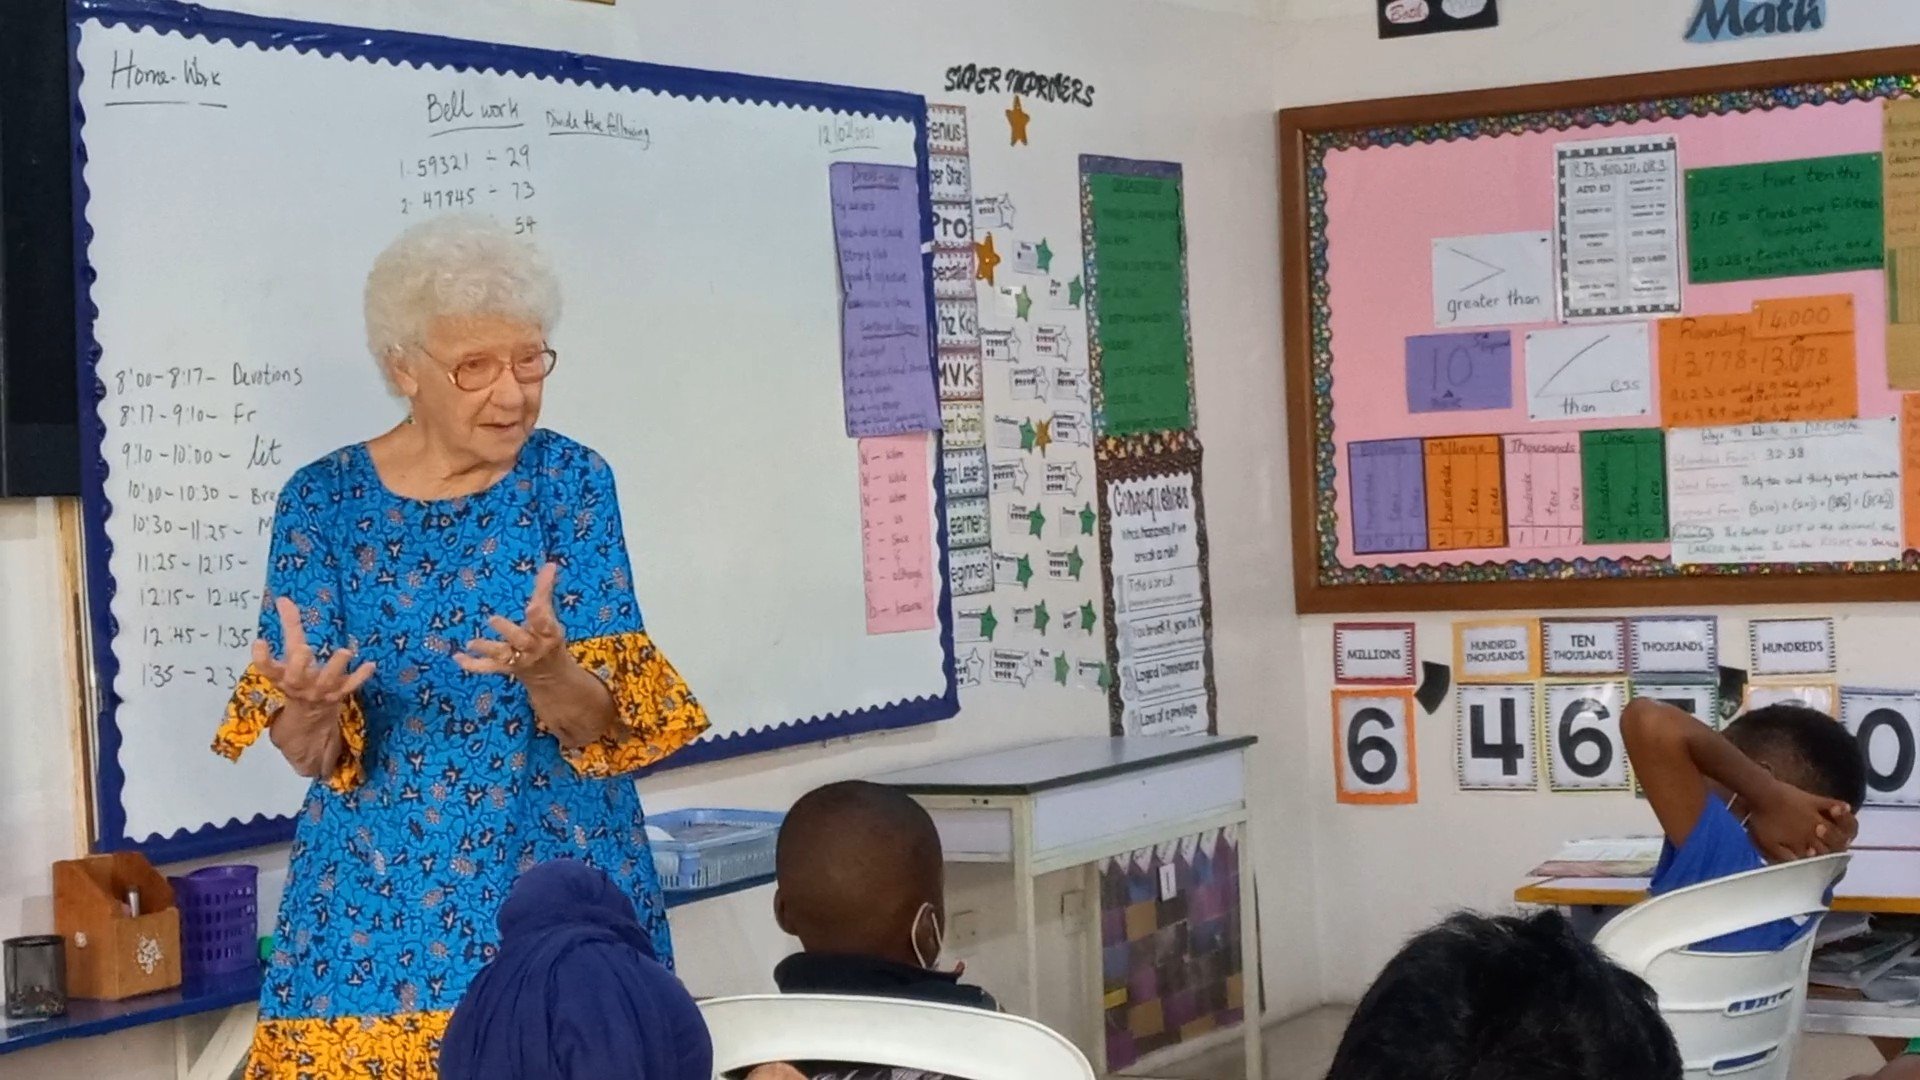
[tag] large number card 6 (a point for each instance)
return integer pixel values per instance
(1373, 747)
(1582, 731)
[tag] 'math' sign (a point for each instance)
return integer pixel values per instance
(1729, 20)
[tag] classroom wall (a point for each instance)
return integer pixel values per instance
(1187, 82)
(1395, 869)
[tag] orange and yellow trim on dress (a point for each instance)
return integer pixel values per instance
(402, 1047)
(658, 713)
(255, 699)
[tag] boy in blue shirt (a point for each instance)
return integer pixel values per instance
(1782, 783)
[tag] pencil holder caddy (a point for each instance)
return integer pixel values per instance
(36, 977)
(219, 920)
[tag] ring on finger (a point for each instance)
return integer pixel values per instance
(514, 659)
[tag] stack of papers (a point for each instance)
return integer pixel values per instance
(1876, 959)
(1605, 857)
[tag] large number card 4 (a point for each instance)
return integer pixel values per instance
(1496, 748)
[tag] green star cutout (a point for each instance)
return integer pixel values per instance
(1035, 521)
(1045, 255)
(1088, 617)
(988, 624)
(1025, 573)
(1022, 303)
(1106, 676)
(1060, 669)
(1040, 617)
(1074, 563)
(1087, 520)
(1026, 434)
(1075, 291)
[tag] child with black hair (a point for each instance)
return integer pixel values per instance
(1782, 783)
(1510, 998)
(861, 881)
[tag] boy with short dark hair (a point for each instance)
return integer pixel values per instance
(1782, 783)
(860, 880)
(1485, 998)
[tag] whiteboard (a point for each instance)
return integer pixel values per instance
(233, 190)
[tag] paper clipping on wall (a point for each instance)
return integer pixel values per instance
(1159, 628)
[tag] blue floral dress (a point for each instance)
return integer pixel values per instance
(450, 789)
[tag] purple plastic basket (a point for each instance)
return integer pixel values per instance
(219, 919)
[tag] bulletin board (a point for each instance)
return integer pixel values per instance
(1618, 341)
(700, 224)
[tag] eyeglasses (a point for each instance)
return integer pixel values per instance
(476, 373)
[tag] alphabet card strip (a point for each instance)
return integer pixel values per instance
(1580, 725)
(1374, 755)
(1496, 650)
(1790, 646)
(1675, 646)
(1496, 744)
(1822, 696)
(1584, 646)
(1886, 723)
(1373, 654)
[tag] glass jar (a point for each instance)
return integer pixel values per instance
(36, 976)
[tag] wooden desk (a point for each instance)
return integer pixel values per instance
(1068, 805)
(1879, 881)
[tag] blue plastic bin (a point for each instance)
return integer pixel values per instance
(711, 848)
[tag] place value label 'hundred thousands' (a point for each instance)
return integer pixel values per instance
(1496, 650)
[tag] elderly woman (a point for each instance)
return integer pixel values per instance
(452, 650)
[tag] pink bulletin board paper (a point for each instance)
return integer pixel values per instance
(1385, 205)
(896, 533)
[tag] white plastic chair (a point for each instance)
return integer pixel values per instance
(952, 1040)
(1732, 1014)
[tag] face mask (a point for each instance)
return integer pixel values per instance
(939, 938)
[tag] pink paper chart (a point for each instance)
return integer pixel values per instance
(1384, 205)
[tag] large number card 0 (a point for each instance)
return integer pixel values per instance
(1495, 739)
(1886, 723)
(1373, 747)
(1580, 725)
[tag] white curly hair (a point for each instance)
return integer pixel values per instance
(459, 264)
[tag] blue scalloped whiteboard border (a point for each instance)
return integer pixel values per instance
(403, 47)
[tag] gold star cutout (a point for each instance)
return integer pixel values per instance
(984, 260)
(1017, 123)
(1042, 435)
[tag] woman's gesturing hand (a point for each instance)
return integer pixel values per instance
(569, 702)
(306, 730)
(528, 650)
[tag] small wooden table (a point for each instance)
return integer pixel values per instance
(1069, 804)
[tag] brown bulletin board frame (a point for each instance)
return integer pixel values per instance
(1763, 84)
